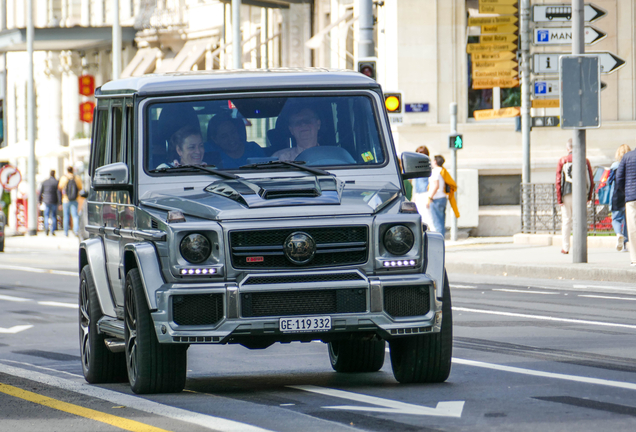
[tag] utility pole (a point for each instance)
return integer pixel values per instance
(524, 18)
(116, 41)
(237, 49)
(32, 214)
(366, 47)
(453, 131)
(579, 165)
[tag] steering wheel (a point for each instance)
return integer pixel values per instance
(326, 155)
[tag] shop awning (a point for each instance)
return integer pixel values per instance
(63, 38)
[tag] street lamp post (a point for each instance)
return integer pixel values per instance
(116, 41)
(32, 206)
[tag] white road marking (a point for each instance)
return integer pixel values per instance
(463, 286)
(52, 303)
(13, 299)
(607, 297)
(43, 368)
(545, 318)
(443, 409)
(592, 286)
(575, 378)
(134, 402)
(15, 329)
(38, 270)
(524, 291)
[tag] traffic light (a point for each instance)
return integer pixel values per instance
(393, 103)
(456, 142)
(368, 66)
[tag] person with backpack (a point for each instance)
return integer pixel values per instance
(564, 193)
(70, 185)
(617, 201)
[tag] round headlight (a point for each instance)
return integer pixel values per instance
(195, 248)
(398, 240)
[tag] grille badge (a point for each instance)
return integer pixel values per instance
(299, 247)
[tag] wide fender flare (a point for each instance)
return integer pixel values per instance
(435, 259)
(147, 262)
(92, 254)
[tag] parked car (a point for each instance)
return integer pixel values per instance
(210, 225)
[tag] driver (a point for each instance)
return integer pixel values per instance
(303, 126)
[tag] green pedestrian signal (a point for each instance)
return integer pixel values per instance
(456, 142)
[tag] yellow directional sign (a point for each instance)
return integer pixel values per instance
(497, 9)
(479, 21)
(488, 83)
(489, 47)
(498, 28)
(495, 114)
(494, 56)
(498, 38)
(545, 103)
(494, 65)
(477, 73)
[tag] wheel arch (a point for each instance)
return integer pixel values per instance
(91, 254)
(143, 256)
(435, 259)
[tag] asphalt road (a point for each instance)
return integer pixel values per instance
(529, 355)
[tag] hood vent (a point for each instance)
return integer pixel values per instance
(288, 193)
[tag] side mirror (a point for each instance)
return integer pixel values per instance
(415, 165)
(112, 176)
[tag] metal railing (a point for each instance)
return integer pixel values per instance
(541, 214)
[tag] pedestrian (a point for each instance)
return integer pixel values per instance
(626, 183)
(69, 186)
(5, 202)
(437, 198)
(564, 193)
(51, 197)
(617, 201)
(420, 193)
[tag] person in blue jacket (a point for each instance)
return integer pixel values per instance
(626, 182)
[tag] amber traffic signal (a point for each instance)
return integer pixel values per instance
(393, 103)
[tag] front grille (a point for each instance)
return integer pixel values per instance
(405, 301)
(306, 302)
(302, 278)
(263, 249)
(197, 309)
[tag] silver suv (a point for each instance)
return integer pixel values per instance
(252, 208)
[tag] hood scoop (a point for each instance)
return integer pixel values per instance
(271, 192)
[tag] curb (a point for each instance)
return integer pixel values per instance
(572, 271)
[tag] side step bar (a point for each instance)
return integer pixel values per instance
(112, 327)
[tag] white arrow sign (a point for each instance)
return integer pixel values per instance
(443, 409)
(15, 329)
(563, 35)
(563, 13)
(548, 63)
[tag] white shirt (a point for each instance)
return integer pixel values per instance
(437, 175)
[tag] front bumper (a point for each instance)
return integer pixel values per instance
(234, 327)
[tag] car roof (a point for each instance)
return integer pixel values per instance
(237, 80)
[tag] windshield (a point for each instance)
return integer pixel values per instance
(228, 134)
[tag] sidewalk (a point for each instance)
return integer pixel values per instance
(538, 258)
(42, 242)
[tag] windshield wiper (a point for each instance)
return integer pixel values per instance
(297, 165)
(208, 169)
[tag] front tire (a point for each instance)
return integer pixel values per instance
(425, 358)
(357, 355)
(152, 367)
(99, 364)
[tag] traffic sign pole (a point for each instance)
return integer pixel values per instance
(524, 17)
(579, 165)
(453, 131)
(32, 206)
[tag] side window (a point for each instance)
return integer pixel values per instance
(129, 132)
(100, 139)
(117, 145)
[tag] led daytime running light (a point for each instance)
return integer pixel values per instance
(197, 271)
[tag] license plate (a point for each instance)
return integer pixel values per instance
(305, 324)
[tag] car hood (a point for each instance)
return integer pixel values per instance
(265, 198)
